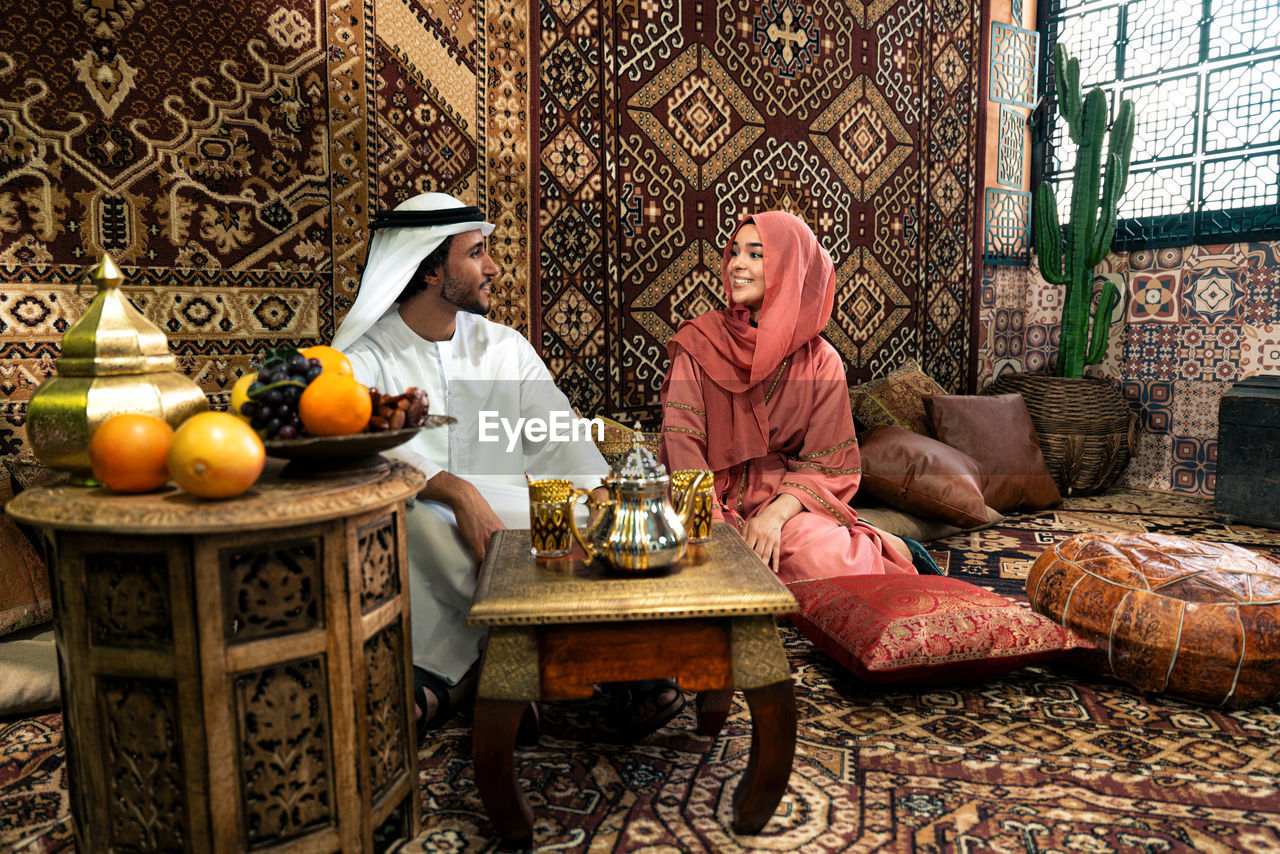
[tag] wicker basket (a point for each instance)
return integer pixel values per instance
(1087, 432)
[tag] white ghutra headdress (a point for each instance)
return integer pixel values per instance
(402, 238)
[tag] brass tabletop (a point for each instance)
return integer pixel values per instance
(720, 578)
(273, 502)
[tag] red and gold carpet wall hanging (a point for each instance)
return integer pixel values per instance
(659, 125)
(229, 157)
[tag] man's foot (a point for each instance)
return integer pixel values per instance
(643, 708)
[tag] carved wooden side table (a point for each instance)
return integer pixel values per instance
(558, 627)
(236, 674)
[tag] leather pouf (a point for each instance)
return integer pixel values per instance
(1195, 620)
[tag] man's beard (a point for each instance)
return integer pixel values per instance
(458, 294)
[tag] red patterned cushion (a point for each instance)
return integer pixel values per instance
(924, 628)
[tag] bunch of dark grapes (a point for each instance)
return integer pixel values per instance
(272, 406)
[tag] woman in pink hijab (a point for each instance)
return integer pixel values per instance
(757, 396)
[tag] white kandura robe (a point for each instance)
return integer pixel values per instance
(484, 367)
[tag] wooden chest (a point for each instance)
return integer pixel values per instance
(1248, 480)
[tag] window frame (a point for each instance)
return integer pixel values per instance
(1196, 226)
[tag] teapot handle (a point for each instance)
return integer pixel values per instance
(573, 523)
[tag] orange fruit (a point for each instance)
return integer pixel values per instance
(331, 361)
(215, 455)
(127, 452)
(334, 405)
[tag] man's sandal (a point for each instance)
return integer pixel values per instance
(640, 711)
(424, 681)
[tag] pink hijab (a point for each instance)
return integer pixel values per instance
(737, 357)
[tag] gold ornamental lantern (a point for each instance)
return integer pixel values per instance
(113, 360)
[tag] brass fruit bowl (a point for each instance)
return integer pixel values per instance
(318, 456)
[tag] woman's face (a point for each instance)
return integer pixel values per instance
(746, 268)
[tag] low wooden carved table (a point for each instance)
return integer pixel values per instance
(236, 674)
(558, 627)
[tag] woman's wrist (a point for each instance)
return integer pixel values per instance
(784, 506)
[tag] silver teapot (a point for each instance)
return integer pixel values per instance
(637, 529)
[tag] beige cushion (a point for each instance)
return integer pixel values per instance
(28, 672)
(904, 524)
(895, 399)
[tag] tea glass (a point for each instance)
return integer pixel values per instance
(699, 528)
(550, 517)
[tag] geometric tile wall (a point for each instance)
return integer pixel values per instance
(1192, 321)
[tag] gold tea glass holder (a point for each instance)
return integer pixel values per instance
(550, 512)
(699, 528)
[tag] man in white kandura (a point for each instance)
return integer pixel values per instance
(418, 320)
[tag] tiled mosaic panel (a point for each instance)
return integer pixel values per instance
(1011, 147)
(1014, 53)
(1195, 320)
(1008, 226)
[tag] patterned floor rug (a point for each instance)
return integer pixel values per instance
(1040, 760)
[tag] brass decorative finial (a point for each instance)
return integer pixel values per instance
(106, 274)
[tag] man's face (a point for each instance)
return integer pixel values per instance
(468, 273)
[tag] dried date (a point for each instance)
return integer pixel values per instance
(397, 411)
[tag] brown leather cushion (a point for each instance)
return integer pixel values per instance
(1200, 621)
(895, 399)
(922, 476)
(997, 432)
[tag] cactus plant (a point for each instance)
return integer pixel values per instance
(1071, 261)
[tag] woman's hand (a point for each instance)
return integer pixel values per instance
(763, 531)
(597, 500)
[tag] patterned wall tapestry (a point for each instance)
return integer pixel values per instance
(200, 164)
(660, 125)
(1191, 322)
(228, 155)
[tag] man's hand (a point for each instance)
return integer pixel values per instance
(763, 531)
(476, 520)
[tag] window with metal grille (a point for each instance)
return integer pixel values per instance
(1204, 78)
